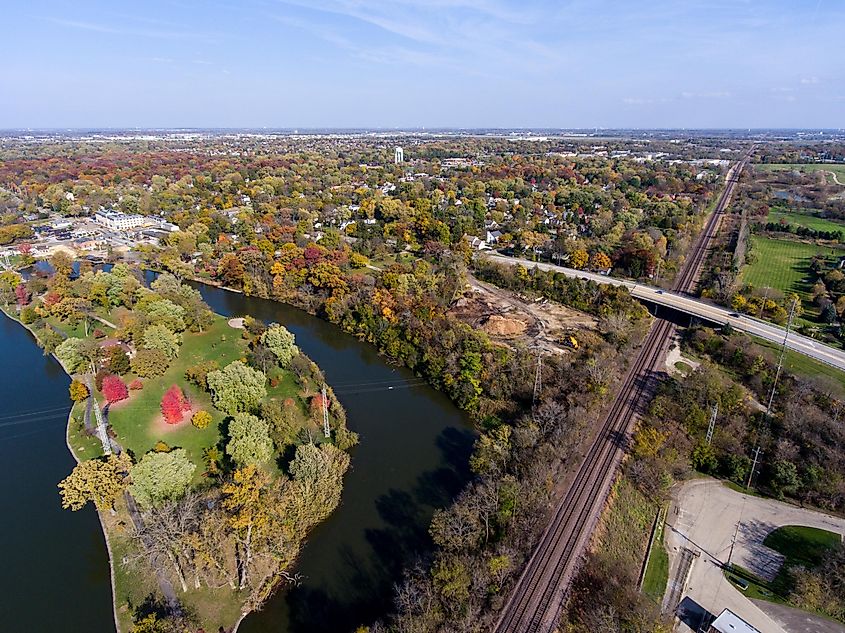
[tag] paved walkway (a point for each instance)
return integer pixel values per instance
(704, 518)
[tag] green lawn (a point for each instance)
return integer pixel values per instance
(657, 572)
(802, 545)
(808, 368)
(807, 219)
(838, 169)
(799, 545)
(134, 420)
(785, 265)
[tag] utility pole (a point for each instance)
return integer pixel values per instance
(753, 466)
(733, 542)
(326, 428)
(710, 427)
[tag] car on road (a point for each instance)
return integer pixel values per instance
(736, 315)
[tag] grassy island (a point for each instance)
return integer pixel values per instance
(202, 442)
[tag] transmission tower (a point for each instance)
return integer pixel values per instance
(780, 359)
(538, 379)
(774, 385)
(326, 429)
(710, 427)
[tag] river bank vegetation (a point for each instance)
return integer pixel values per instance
(219, 463)
(382, 251)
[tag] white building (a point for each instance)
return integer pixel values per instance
(398, 155)
(118, 221)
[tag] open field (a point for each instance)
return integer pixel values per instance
(784, 265)
(807, 219)
(837, 169)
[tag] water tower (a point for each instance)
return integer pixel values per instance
(398, 155)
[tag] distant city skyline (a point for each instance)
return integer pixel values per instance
(438, 64)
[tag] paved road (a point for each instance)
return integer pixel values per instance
(705, 517)
(698, 308)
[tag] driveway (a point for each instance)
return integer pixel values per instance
(705, 517)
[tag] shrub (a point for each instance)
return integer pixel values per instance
(198, 374)
(98, 333)
(201, 419)
(161, 447)
(136, 385)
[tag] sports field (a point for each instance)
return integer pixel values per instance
(807, 219)
(784, 264)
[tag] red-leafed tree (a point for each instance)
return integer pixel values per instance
(173, 404)
(22, 295)
(114, 389)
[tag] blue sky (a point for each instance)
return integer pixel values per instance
(404, 63)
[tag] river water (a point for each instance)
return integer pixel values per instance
(411, 459)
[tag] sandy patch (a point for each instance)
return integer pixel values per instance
(502, 326)
(237, 323)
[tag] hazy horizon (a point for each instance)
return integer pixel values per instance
(441, 64)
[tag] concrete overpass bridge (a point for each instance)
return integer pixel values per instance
(700, 309)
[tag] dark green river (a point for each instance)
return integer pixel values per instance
(411, 459)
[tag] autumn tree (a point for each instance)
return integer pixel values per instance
(149, 363)
(117, 360)
(236, 388)
(600, 261)
(230, 271)
(78, 391)
(579, 258)
(174, 404)
(245, 500)
(114, 389)
(100, 481)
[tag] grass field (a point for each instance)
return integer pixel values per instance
(657, 572)
(801, 545)
(808, 368)
(784, 265)
(837, 169)
(808, 220)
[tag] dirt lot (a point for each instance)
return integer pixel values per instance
(508, 318)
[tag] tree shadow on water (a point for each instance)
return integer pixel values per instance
(367, 579)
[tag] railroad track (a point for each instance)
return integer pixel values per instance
(535, 603)
(688, 276)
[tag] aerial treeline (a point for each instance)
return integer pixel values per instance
(801, 231)
(602, 300)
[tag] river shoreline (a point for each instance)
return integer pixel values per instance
(77, 460)
(418, 450)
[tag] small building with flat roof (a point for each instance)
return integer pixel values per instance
(730, 622)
